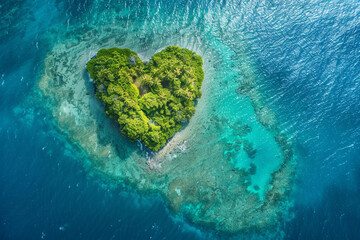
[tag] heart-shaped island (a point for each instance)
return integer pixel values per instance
(150, 100)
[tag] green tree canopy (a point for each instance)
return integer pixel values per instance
(149, 101)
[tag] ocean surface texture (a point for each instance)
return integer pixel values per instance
(272, 151)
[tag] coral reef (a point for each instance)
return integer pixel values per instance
(205, 172)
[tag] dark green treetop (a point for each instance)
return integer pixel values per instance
(150, 101)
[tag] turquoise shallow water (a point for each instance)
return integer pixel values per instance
(281, 79)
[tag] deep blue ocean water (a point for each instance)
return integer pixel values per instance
(308, 54)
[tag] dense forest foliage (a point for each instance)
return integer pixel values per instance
(150, 100)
